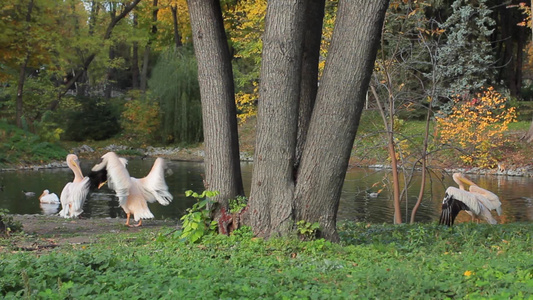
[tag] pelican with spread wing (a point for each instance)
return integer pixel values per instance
(477, 202)
(133, 193)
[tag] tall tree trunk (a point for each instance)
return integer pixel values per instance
(309, 85)
(147, 48)
(272, 189)
(22, 73)
(219, 113)
(135, 59)
(20, 90)
(335, 119)
(109, 75)
(177, 36)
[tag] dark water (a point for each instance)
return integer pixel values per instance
(516, 193)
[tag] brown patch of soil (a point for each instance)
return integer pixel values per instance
(42, 233)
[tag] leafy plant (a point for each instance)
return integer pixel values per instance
(306, 229)
(96, 119)
(140, 118)
(198, 222)
(7, 224)
(237, 204)
(476, 126)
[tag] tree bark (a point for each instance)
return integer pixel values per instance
(147, 48)
(272, 188)
(219, 113)
(309, 85)
(177, 36)
(135, 59)
(22, 73)
(335, 118)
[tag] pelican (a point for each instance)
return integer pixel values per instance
(477, 202)
(74, 193)
(133, 193)
(46, 197)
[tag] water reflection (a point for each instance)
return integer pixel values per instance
(356, 204)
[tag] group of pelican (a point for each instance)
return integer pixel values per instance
(133, 193)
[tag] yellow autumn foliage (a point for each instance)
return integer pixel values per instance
(476, 127)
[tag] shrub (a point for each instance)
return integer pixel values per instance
(476, 127)
(96, 119)
(140, 118)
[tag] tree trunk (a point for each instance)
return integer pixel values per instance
(135, 59)
(146, 57)
(20, 90)
(340, 100)
(22, 73)
(219, 113)
(177, 36)
(109, 75)
(309, 85)
(272, 188)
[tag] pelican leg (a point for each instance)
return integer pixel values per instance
(128, 219)
(139, 224)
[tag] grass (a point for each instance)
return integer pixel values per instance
(470, 261)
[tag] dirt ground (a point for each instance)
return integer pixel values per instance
(42, 232)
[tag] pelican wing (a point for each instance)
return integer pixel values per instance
(153, 186)
(450, 209)
(488, 199)
(64, 199)
(73, 197)
(117, 175)
(471, 200)
(78, 194)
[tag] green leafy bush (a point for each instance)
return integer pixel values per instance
(198, 222)
(95, 119)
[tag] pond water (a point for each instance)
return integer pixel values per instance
(516, 193)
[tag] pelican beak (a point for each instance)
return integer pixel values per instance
(102, 184)
(466, 180)
(41, 196)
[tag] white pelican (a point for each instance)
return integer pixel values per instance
(477, 202)
(133, 193)
(74, 193)
(46, 197)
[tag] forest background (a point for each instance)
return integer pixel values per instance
(125, 72)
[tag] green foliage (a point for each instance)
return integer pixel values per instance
(7, 224)
(174, 82)
(198, 223)
(479, 261)
(18, 145)
(237, 204)
(95, 119)
(140, 118)
(306, 229)
(466, 60)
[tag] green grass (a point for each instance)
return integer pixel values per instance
(469, 261)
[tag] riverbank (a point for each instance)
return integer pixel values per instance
(516, 161)
(197, 154)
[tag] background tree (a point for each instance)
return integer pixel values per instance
(215, 76)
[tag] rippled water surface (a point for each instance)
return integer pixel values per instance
(516, 193)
